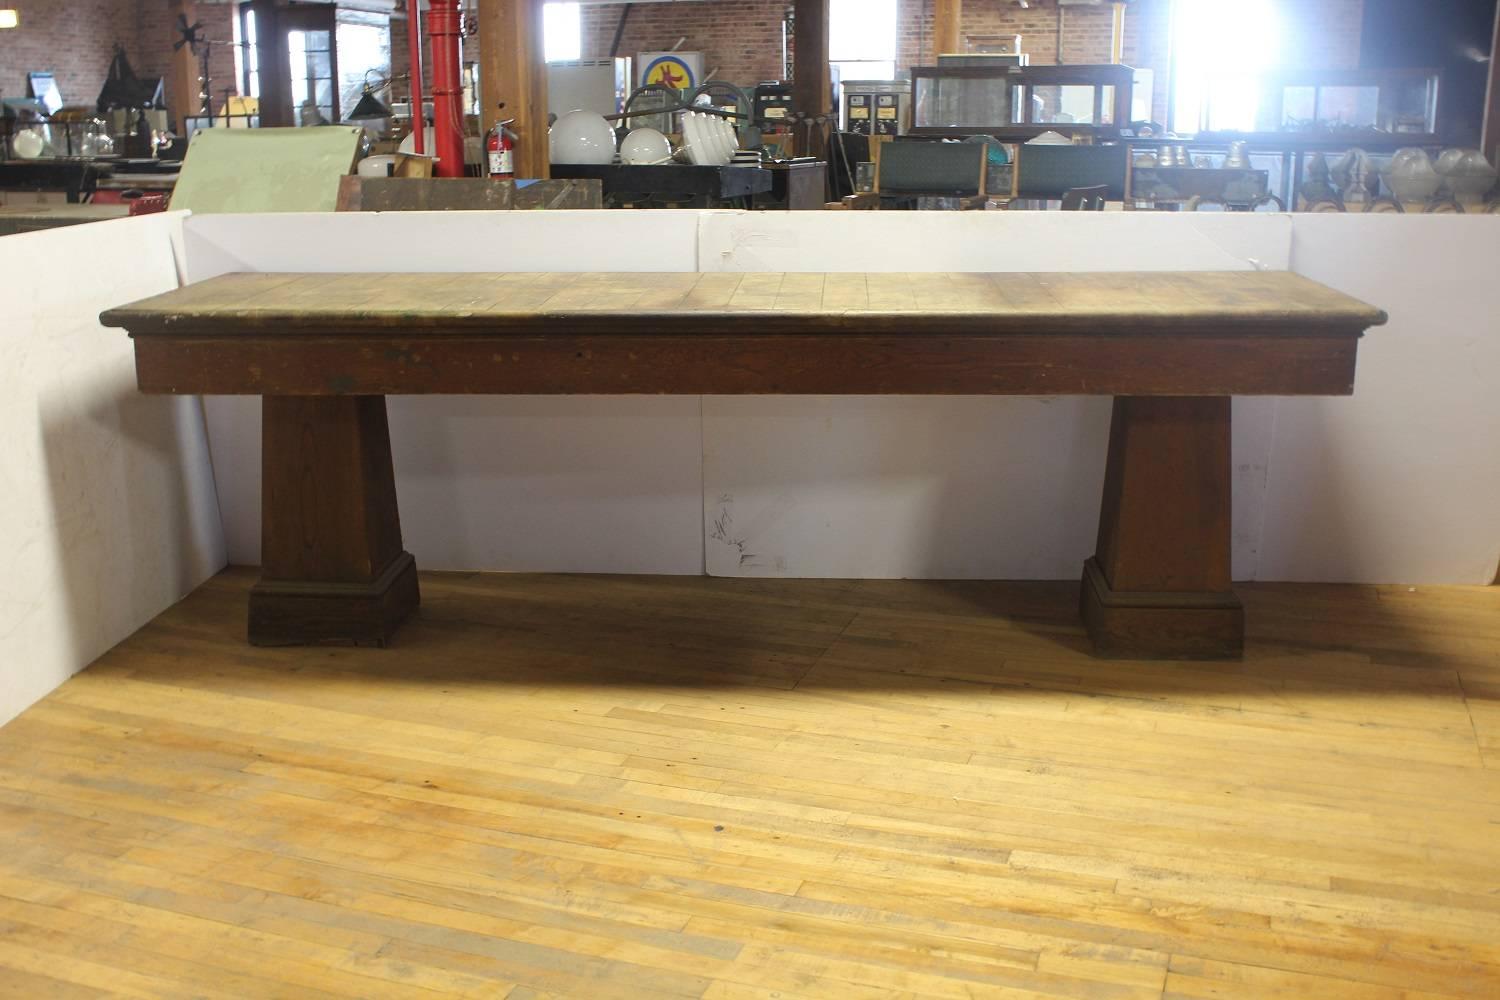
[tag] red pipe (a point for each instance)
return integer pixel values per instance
(414, 52)
(445, 27)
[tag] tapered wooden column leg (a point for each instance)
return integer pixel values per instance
(1158, 586)
(332, 566)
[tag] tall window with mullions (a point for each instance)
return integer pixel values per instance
(310, 58)
(247, 52)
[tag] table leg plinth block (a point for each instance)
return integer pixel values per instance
(1159, 585)
(300, 613)
(1147, 626)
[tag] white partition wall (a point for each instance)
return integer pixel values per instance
(947, 487)
(598, 484)
(992, 241)
(109, 504)
(1399, 482)
(1389, 486)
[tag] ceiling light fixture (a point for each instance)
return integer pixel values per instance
(9, 19)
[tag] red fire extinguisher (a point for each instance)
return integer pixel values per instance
(500, 150)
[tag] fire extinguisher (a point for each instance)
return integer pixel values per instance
(500, 150)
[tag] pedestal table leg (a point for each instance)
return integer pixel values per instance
(332, 566)
(1158, 586)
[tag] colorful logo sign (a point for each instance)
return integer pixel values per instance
(670, 71)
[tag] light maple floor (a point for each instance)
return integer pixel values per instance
(649, 787)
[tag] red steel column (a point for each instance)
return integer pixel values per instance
(445, 29)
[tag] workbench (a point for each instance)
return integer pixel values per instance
(75, 178)
(678, 185)
(35, 218)
(324, 350)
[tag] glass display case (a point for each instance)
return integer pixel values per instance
(1016, 103)
(966, 102)
(1400, 105)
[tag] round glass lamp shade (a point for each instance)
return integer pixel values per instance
(1412, 176)
(582, 137)
(28, 144)
(645, 147)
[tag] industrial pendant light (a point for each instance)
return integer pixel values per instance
(369, 108)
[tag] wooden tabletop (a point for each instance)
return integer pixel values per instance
(1250, 302)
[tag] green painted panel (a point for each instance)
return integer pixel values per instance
(266, 169)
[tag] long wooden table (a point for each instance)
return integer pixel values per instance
(324, 350)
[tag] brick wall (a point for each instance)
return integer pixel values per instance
(76, 40)
(743, 37)
(158, 32)
(739, 38)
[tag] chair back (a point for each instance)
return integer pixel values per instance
(1046, 173)
(935, 169)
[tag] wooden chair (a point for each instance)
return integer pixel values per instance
(1050, 173)
(1085, 199)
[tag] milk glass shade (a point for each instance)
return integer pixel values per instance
(582, 137)
(645, 147)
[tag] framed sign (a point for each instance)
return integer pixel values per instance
(44, 88)
(677, 70)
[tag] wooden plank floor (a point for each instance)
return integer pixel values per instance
(608, 787)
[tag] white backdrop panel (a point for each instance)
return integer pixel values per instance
(1391, 485)
(992, 241)
(607, 484)
(947, 487)
(1398, 483)
(109, 506)
(441, 241)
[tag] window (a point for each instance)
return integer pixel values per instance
(310, 56)
(862, 39)
(246, 55)
(562, 32)
(1221, 51)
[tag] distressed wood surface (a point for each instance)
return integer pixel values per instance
(628, 788)
(561, 364)
(1115, 303)
(1240, 333)
(463, 194)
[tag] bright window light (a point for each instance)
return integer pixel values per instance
(562, 32)
(9, 18)
(862, 31)
(1222, 51)
(862, 39)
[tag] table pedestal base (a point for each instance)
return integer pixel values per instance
(1174, 626)
(332, 566)
(1158, 586)
(288, 613)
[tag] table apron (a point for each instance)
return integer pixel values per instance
(1156, 364)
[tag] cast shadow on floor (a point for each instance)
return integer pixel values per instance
(990, 638)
